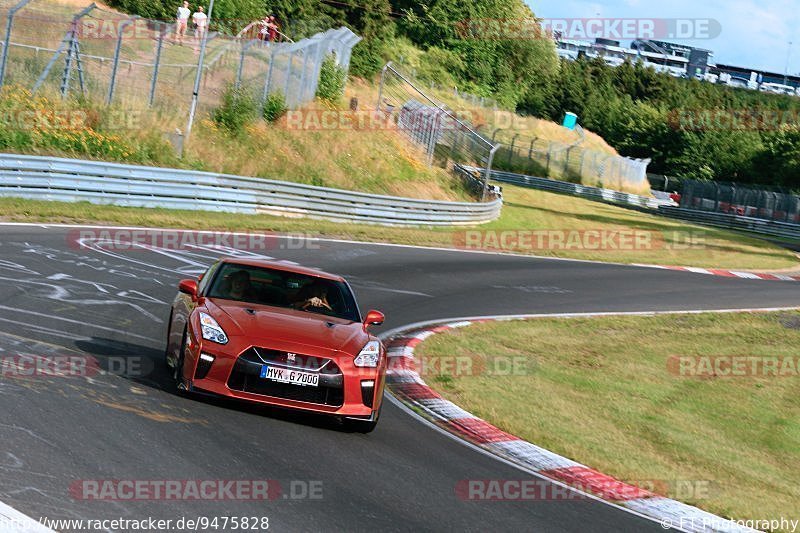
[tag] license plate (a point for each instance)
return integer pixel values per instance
(287, 375)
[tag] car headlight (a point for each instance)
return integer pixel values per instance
(369, 355)
(211, 330)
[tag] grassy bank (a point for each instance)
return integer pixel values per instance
(670, 242)
(375, 161)
(734, 440)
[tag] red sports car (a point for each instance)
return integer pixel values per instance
(280, 334)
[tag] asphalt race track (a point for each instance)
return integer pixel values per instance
(56, 298)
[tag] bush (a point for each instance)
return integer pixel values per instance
(440, 66)
(368, 59)
(239, 107)
(331, 80)
(77, 128)
(274, 107)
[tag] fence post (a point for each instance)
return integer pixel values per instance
(115, 66)
(72, 51)
(380, 87)
(268, 80)
(198, 75)
(7, 43)
(566, 161)
(288, 77)
(487, 175)
(238, 82)
(454, 146)
(433, 129)
(301, 92)
(156, 64)
(511, 150)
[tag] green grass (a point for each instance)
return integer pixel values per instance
(525, 209)
(598, 390)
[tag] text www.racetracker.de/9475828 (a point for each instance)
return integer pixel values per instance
(199, 523)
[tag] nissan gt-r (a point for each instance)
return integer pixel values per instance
(277, 333)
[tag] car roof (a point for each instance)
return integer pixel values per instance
(284, 266)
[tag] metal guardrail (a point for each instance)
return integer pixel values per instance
(74, 180)
(772, 228)
(574, 189)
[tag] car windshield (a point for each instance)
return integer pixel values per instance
(279, 288)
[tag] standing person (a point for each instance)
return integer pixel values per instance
(272, 29)
(263, 29)
(182, 21)
(200, 23)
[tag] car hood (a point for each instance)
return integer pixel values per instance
(287, 326)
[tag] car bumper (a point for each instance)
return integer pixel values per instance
(225, 378)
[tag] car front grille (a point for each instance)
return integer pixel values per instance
(245, 377)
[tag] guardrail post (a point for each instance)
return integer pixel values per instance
(7, 42)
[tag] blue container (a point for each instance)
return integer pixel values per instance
(570, 120)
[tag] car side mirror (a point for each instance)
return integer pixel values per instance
(188, 286)
(374, 318)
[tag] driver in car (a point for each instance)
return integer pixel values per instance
(314, 295)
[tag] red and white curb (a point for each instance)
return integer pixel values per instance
(728, 273)
(406, 384)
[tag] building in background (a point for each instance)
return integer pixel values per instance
(679, 60)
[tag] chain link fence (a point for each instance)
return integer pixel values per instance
(471, 99)
(140, 63)
(731, 198)
(569, 161)
(448, 140)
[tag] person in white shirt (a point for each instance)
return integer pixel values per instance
(183, 19)
(200, 22)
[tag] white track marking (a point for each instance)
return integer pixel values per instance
(70, 321)
(348, 241)
(12, 521)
